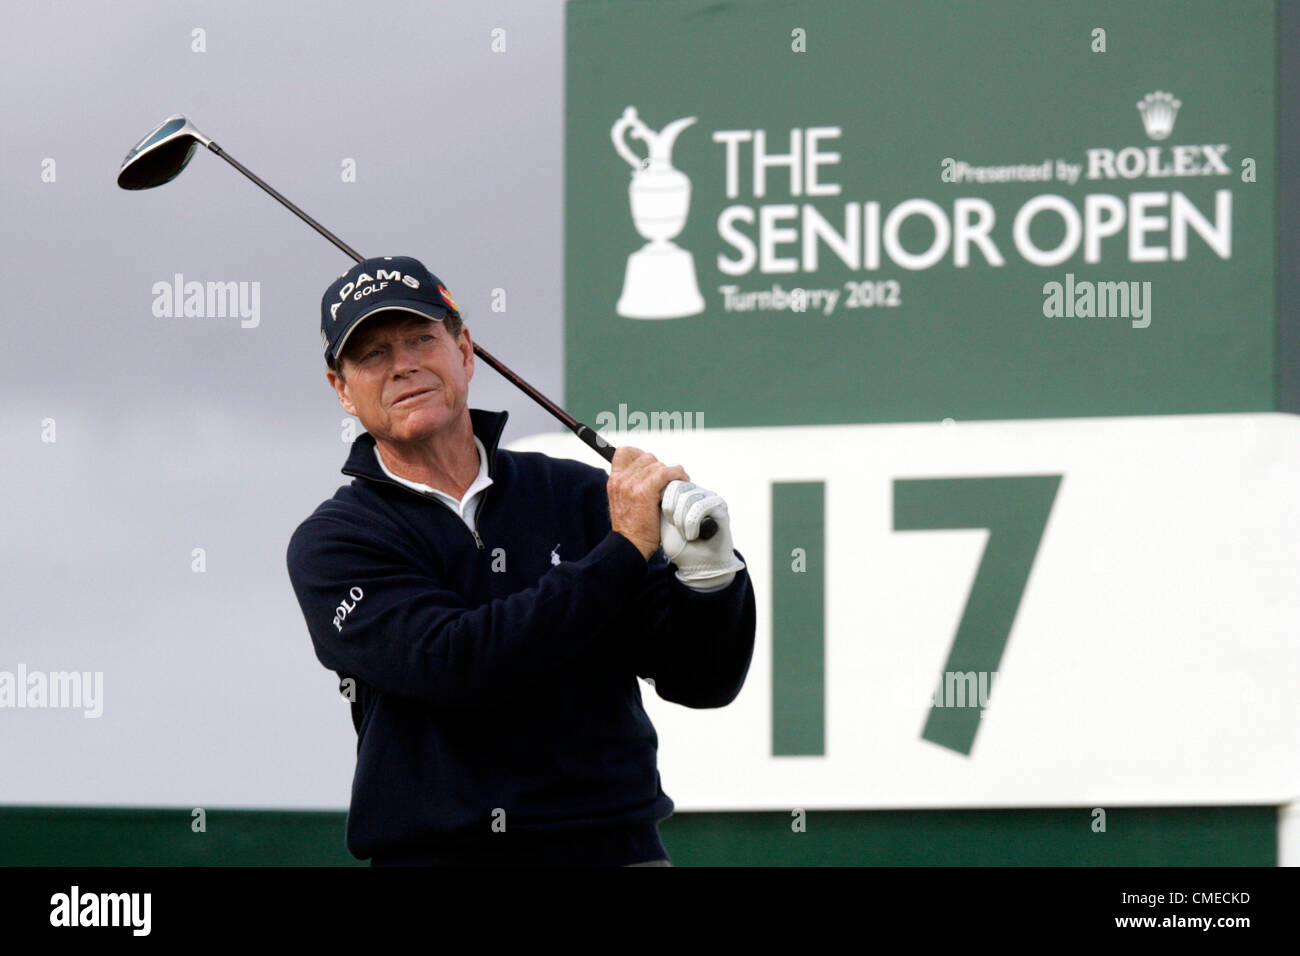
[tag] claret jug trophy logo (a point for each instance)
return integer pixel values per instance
(660, 281)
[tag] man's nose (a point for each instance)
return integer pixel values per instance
(405, 356)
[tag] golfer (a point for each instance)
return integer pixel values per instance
(489, 612)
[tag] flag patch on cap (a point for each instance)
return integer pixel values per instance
(450, 301)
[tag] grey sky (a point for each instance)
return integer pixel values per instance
(183, 433)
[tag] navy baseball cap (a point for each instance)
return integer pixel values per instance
(381, 284)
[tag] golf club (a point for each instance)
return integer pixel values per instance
(165, 151)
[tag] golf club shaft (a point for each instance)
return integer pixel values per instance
(603, 448)
(356, 256)
(588, 435)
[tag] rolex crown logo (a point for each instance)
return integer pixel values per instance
(1158, 112)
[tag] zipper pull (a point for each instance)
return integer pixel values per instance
(477, 539)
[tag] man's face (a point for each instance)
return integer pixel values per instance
(390, 356)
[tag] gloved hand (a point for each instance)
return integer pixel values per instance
(703, 565)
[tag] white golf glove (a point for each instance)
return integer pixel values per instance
(702, 565)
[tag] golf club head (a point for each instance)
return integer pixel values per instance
(161, 155)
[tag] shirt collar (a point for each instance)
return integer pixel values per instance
(364, 463)
(480, 482)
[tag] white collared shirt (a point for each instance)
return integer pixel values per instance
(466, 507)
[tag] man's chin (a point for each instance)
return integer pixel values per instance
(421, 424)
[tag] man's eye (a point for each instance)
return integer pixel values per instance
(369, 354)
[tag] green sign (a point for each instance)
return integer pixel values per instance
(830, 212)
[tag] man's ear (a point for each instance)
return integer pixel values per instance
(340, 388)
(466, 344)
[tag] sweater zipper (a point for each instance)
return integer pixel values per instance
(479, 516)
(478, 540)
(423, 497)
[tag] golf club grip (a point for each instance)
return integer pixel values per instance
(708, 527)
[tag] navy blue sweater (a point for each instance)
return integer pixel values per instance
(496, 702)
